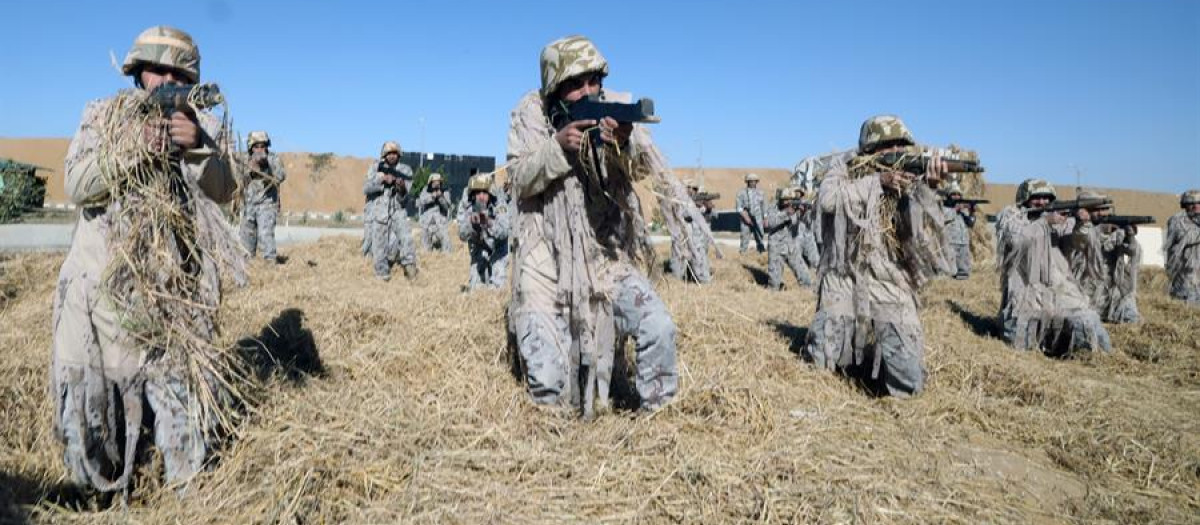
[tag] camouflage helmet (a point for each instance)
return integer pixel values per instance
(480, 182)
(257, 137)
(881, 131)
(689, 183)
(568, 57)
(435, 177)
(751, 177)
(1031, 187)
(164, 46)
(1189, 197)
(952, 188)
(389, 147)
(798, 191)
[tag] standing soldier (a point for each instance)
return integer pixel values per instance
(881, 242)
(789, 243)
(1182, 247)
(483, 220)
(751, 205)
(1041, 305)
(110, 360)
(577, 290)
(695, 267)
(262, 173)
(388, 182)
(960, 218)
(434, 206)
(1104, 260)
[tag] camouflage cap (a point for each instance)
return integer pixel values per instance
(435, 177)
(568, 57)
(480, 182)
(164, 46)
(389, 147)
(257, 137)
(751, 176)
(883, 130)
(1032, 187)
(1189, 197)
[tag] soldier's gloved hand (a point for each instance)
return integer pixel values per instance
(388, 179)
(570, 137)
(1054, 218)
(614, 132)
(184, 130)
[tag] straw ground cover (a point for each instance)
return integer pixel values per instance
(386, 402)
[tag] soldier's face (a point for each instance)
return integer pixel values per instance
(1103, 212)
(435, 185)
(482, 197)
(1193, 209)
(1039, 201)
(751, 184)
(392, 157)
(152, 76)
(258, 149)
(579, 86)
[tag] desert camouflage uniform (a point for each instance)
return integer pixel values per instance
(1104, 261)
(1182, 247)
(753, 199)
(958, 241)
(391, 233)
(1042, 306)
(435, 220)
(99, 375)
(700, 270)
(867, 293)
(260, 205)
(790, 245)
(577, 294)
(488, 246)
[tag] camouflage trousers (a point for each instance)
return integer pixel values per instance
(886, 350)
(747, 238)
(781, 254)
(258, 228)
(699, 271)
(435, 235)
(1185, 289)
(959, 257)
(1055, 333)
(100, 378)
(544, 341)
(488, 269)
(392, 244)
(1123, 310)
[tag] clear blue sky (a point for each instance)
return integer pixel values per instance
(1036, 86)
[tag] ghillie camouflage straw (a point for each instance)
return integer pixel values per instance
(171, 246)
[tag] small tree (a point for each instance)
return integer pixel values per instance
(318, 165)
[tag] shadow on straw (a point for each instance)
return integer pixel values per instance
(985, 326)
(18, 492)
(760, 276)
(283, 348)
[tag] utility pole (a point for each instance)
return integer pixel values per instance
(421, 162)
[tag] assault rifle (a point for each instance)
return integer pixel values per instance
(756, 229)
(1124, 220)
(595, 108)
(950, 203)
(1075, 204)
(402, 177)
(706, 196)
(175, 97)
(918, 163)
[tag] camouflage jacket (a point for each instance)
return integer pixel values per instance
(260, 184)
(754, 200)
(386, 201)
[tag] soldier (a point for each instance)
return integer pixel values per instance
(576, 288)
(1041, 304)
(483, 220)
(789, 241)
(1182, 247)
(751, 205)
(101, 373)
(881, 240)
(696, 267)
(434, 206)
(262, 173)
(386, 188)
(1104, 260)
(960, 218)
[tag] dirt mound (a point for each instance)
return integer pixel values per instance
(416, 416)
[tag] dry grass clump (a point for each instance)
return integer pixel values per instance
(388, 402)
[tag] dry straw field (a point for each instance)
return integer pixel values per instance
(395, 402)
